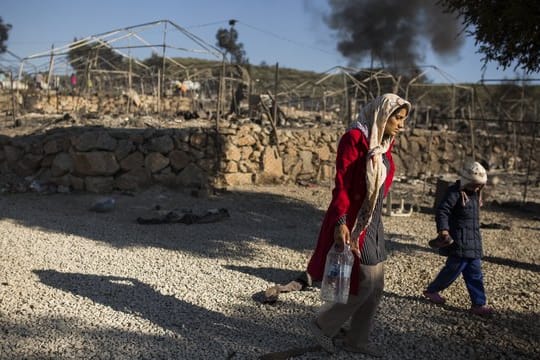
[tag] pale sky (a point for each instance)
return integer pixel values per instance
(290, 32)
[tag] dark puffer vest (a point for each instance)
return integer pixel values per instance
(462, 221)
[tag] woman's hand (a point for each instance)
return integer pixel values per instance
(342, 236)
(354, 247)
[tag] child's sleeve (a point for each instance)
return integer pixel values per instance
(442, 216)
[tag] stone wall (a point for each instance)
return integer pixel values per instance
(434, 153)
(251, 155)
(125, 102)
(101, 160)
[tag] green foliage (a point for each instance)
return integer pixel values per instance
(506, 32)
(84, 55)
(303, 83)
(4, 30)
(155, 62)
(228, 41)
(262, 76)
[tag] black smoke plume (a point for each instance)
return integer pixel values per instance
(393, 33)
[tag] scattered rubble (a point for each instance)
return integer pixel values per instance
(178, 216)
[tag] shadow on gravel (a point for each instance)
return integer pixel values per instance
(503, 335)
(525, 210)
(194, 325)
(512, 263)
(33, 341)
(272, 275)
(405, 247)
(507, 334)
(420, 299)
(275, 219)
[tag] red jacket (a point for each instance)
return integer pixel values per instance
(347, 197)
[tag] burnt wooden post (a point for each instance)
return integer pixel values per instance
(531, 153)
(275, 105)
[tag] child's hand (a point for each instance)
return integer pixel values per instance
(442, 240)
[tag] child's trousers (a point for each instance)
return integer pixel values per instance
(472, 274)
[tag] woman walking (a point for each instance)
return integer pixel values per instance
(364, 174)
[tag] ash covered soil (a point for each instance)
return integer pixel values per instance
(76, 284)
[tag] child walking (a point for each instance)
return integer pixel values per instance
(458, 227)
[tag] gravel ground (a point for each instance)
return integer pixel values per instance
(76, 284)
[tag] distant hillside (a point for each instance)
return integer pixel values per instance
(495, 103)
(263, 76)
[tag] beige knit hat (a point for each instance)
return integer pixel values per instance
(473, 173)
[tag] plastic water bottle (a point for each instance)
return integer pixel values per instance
(337, 275)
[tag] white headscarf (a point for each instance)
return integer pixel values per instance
(372, 122)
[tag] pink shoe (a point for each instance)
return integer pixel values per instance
(481, 310)
(434, 298)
